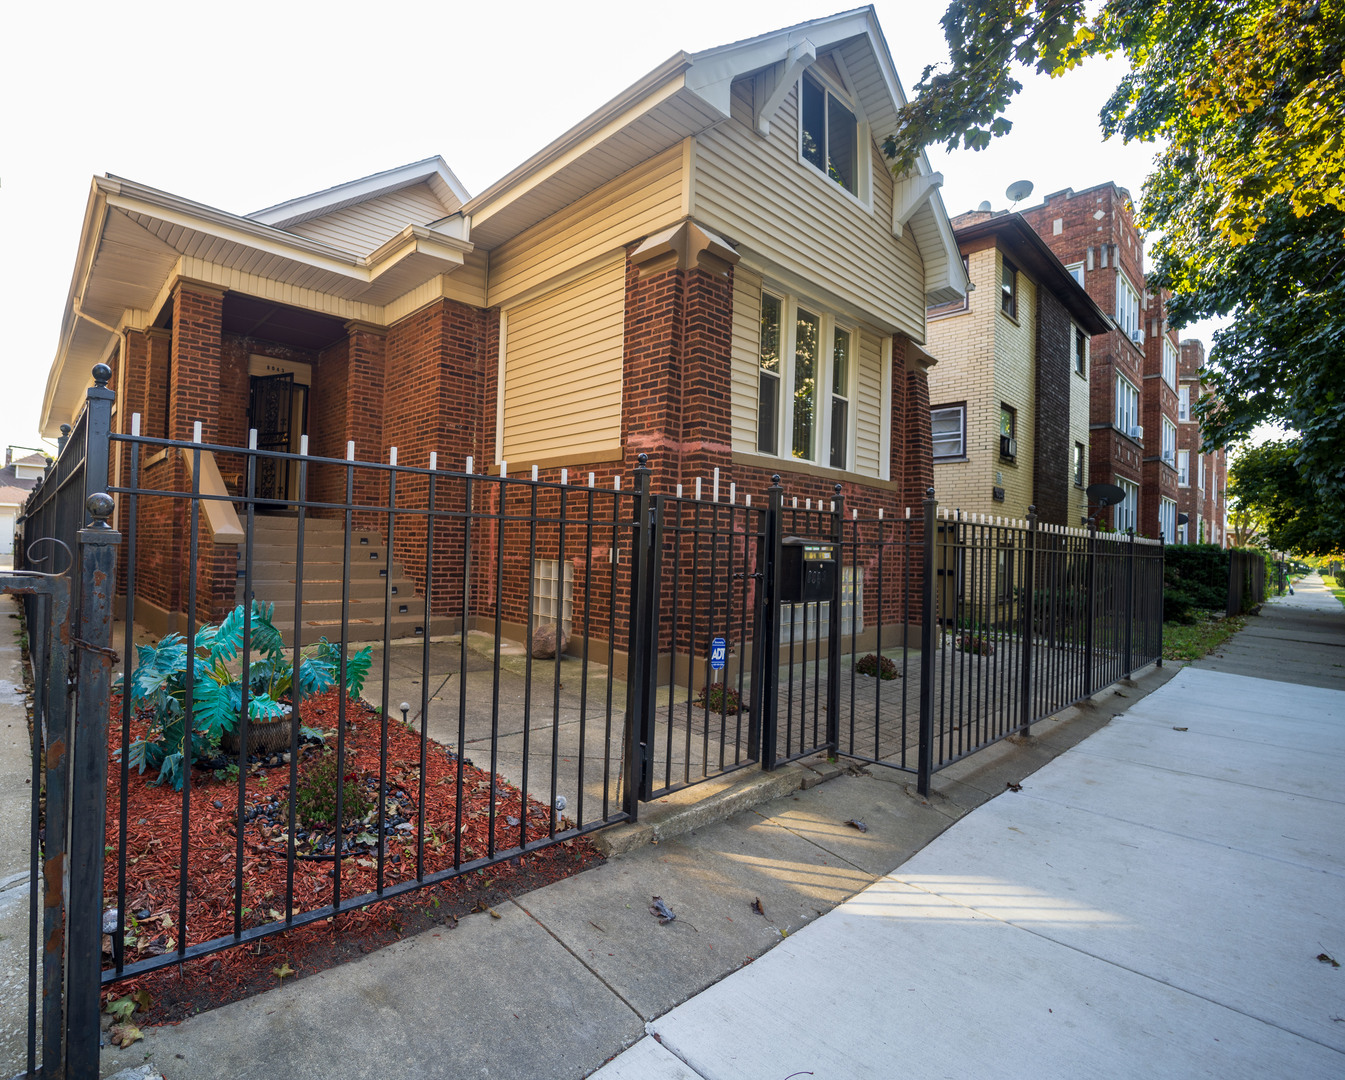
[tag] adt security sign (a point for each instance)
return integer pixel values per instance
(718, 650)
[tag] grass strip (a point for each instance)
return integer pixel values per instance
(1207, 633)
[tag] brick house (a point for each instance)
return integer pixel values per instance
(715, 269)
(1133, 409)
(1009, 395)
(1202, 478)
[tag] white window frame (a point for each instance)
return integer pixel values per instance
(1184, 403)
(1169, 362)
(1078, 468)
(1169, 442)
(863, 193)
(1127, 305)
(1183, 468)
(1075, 270)
(1076, 336)
(1200, 472)
(1167, 519)
(1126, 514)
(823, 390)
(961, 411)
(1127, 404)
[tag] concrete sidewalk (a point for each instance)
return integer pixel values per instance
(1152, 903)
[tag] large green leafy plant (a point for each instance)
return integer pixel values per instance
(160, 685)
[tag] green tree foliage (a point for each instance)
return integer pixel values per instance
(1266, 483)
(1247, 98)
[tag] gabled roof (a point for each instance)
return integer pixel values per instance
(13, 490)
(689, 93)
(433, 170)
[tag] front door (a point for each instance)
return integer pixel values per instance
(271, 413)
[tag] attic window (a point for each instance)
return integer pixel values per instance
(829, 134)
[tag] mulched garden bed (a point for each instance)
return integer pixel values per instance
(153, 846)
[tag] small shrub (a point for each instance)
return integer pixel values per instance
(874, 665)
(315, 798)
(974, 643)
(718, 698)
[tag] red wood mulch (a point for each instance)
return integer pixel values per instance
(153, 846)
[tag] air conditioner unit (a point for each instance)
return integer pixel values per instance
(1008, 446)
(1137, 336)
(1169, 457)
(1137, 433)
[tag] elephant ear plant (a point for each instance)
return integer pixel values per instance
(160, 685)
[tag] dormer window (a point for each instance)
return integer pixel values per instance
(830, 134)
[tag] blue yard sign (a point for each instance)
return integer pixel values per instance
(718, 650)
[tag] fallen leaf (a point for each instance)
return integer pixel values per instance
(122, 1008)
(661, 911)
(1326, 958)
(142, 999)
(858, 824)
(1181, 729)
(756, 906)
(494, 914)
(1013, 787)
(284, 971)
(125, 1034)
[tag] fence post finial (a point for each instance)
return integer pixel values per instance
(101, 374)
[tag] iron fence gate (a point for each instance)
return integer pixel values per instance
(661, 640)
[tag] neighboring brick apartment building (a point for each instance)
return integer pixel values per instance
(1202, 479)
(1133, 421)
(716, 268)
(1009, 395)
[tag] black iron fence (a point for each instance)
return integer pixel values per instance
(484, 666)
(1246, 580)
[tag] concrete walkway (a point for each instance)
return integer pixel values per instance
(1155, 903)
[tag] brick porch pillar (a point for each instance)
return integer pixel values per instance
(676, 404)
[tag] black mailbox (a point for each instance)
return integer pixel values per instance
(807, 570)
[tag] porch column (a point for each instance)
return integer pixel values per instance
(193, 392)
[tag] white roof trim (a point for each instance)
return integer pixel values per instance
(307, 207)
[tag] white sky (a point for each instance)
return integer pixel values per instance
(246, 104)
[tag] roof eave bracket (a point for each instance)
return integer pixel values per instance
(910, 194)
(801, 56)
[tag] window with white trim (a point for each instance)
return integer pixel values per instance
(1080, 352)
(1126, 514)
(1200, 465)
(948, 425)
(1184, 403)
(1169, 441)
(1127, 306)
(1008, 289)
(806, 359)
(832, 137)
(1127, 405)
(1169, 363)
(1167, 519)
(1183, 468)
(1076, 272)
(1078, 469)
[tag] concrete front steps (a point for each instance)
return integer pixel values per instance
(275, 564)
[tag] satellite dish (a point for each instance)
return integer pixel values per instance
(984, 208)
(1106, 494)
(1018, 190)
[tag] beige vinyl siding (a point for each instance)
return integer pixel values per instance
(746, 358)
(756, 192)
(562, 369)
(641, 201)
(869, 407)
(364, 227)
